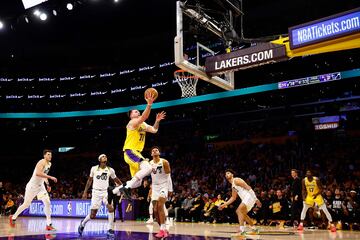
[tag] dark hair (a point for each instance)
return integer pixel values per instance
(231, 171)
(129, 112)
(46, 151)
(295, 170)
(152, 148)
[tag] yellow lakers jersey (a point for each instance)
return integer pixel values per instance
(311, 187)
(135, 139)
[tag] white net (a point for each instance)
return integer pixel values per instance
(187, 82)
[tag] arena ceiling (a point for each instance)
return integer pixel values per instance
(101, 33)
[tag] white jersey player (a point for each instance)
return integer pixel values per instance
(36, 187)
(248, 199)
(161, 185)
(99, 177)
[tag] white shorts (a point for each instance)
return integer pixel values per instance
(33, 190)
(98, 197)
(249, 202)
(161, 190)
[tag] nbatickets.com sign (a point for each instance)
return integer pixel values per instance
(65, 208)
(245, 58)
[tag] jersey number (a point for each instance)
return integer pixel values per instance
(311, 189)
(142, 137)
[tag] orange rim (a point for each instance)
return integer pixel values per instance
(176, 73)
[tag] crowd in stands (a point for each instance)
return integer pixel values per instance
(200, 142)
(200, 186)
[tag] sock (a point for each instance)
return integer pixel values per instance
(20, 209)
(151, 209)
(27, 201)
(47, 210)
(326, 211)
(132, 183)
(111, 216)
(162, 227)
(303, 212)
(242, 228)
(145, 170)
(86, 219)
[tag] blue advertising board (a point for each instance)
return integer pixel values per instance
(325, 29)
(79, 208)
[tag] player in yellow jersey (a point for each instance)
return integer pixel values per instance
(311, 193)
(134, 143)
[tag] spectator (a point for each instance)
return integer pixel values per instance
(296, 198)
(279, 207)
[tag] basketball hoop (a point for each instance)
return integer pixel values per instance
(187, 82)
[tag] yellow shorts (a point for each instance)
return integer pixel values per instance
(311, 201)
(133, 159)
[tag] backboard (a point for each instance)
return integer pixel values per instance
(198, 36)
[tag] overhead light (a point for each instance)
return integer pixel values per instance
(37, 12)
(1, 25)
(54, 12)
(69, 6)
(116, 1)
(26, 19)
(43, 16)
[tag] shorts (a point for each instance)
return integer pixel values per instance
(249, 202)
(133, 159)
(309, 200)
(161, 190)
(98, 197)
(33, 190)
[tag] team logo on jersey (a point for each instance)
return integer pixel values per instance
(142, 129)
(157, 169)
(103, 176)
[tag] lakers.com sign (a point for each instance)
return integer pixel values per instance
(245, 58)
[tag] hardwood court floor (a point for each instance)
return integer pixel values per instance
(34, 228)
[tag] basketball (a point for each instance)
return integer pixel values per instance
(152, 91)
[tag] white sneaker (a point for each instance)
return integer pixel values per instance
(167, 222)
(150, 220)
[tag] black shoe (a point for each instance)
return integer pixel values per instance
(81, 228)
